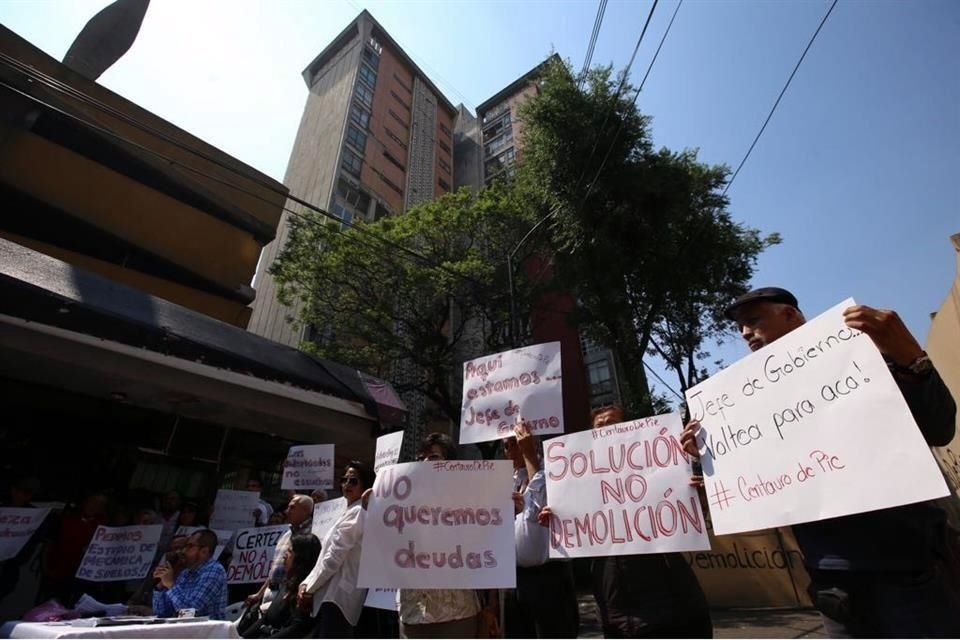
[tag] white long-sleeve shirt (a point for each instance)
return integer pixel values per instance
(334, 577)
(532, 540)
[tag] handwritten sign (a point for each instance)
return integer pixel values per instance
(16, 527)
(809, 427)
(325, 514)
(623, 489)
(382, 598)
(120, 553)
(388, 450)
(253, 551)
(308, 467)
(233, 510)
(440, 525)
(503, 389)
(223, 538)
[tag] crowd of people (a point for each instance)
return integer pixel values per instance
(876, 574)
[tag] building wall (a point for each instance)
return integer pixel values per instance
(467, 168)
(311, 175)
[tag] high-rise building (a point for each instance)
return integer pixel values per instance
(375, 138)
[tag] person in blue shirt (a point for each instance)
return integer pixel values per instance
(202, 586)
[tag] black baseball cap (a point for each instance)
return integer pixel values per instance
(765, 294)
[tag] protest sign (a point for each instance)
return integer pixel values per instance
(440, 525)
(388, 450)
(809, 427)
(382, 598)
(223, 538)
(233, 510)
(325, 514)
(16, 527)
(503, 389)
(120, 553)
(308, 467)
(623, 489)
(253, 552)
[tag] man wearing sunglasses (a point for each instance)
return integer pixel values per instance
(202, 586)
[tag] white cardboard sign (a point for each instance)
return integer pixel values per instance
(16, 527)
(120, 553)
(623, 489)
(233, 510)
(325, 514)
(505, 388)
(382, 598)
(253, 551)
(440, 525)
(809, 427)
(388, 450)
(308, 467)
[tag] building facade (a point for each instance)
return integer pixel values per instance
(375, 138)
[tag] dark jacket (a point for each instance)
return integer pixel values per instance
(282, 619)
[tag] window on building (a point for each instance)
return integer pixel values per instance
(364, 95)
(381, 211)
(360, 116)
(444, 184)
(601, 380)
(351, 163)
(402, 84)
(356, 138)
(372, 56)
(395, 138)
(342, 212)
(443, 165)
(399, 100)
(499, 144)
(443, 145)
(393, 161)
(398, 119)
(368, 75)
(491, 114)
(446, 131)
(353, 196)
(499, 163)
(498, 127)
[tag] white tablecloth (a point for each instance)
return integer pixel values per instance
(204, 629)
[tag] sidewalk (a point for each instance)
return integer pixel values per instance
(730, 623)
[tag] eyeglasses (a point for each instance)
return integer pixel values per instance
(349, 481)
(431, 457)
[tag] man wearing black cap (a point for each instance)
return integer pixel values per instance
(880, 573)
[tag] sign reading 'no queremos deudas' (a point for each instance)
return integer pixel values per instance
(120, 553)
(809, 427)
(308, 467)
(440, 525)
(503, 389)
(623, 489)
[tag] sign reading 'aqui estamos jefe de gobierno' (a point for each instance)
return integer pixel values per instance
(503, 389)
(623, 489)
(809, 427)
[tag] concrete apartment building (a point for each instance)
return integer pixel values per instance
(375, 138)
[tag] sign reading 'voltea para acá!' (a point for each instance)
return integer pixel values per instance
(504, 389)
(440, 525)
(623, 489)
(809, 427)
(120, 553)
(308, 467)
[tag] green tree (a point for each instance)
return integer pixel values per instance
(641, 236)
(372, 304)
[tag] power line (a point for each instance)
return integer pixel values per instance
(782, 91)
(634, 101)
(662, 381)
(616, 97)
(591, 45)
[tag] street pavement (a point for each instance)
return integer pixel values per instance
(729, 623)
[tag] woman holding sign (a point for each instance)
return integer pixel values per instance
(443, 613)
(284, 619)
(331, 588)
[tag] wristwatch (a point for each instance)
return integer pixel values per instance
(922, 366)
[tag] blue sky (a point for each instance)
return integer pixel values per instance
(858, 169)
